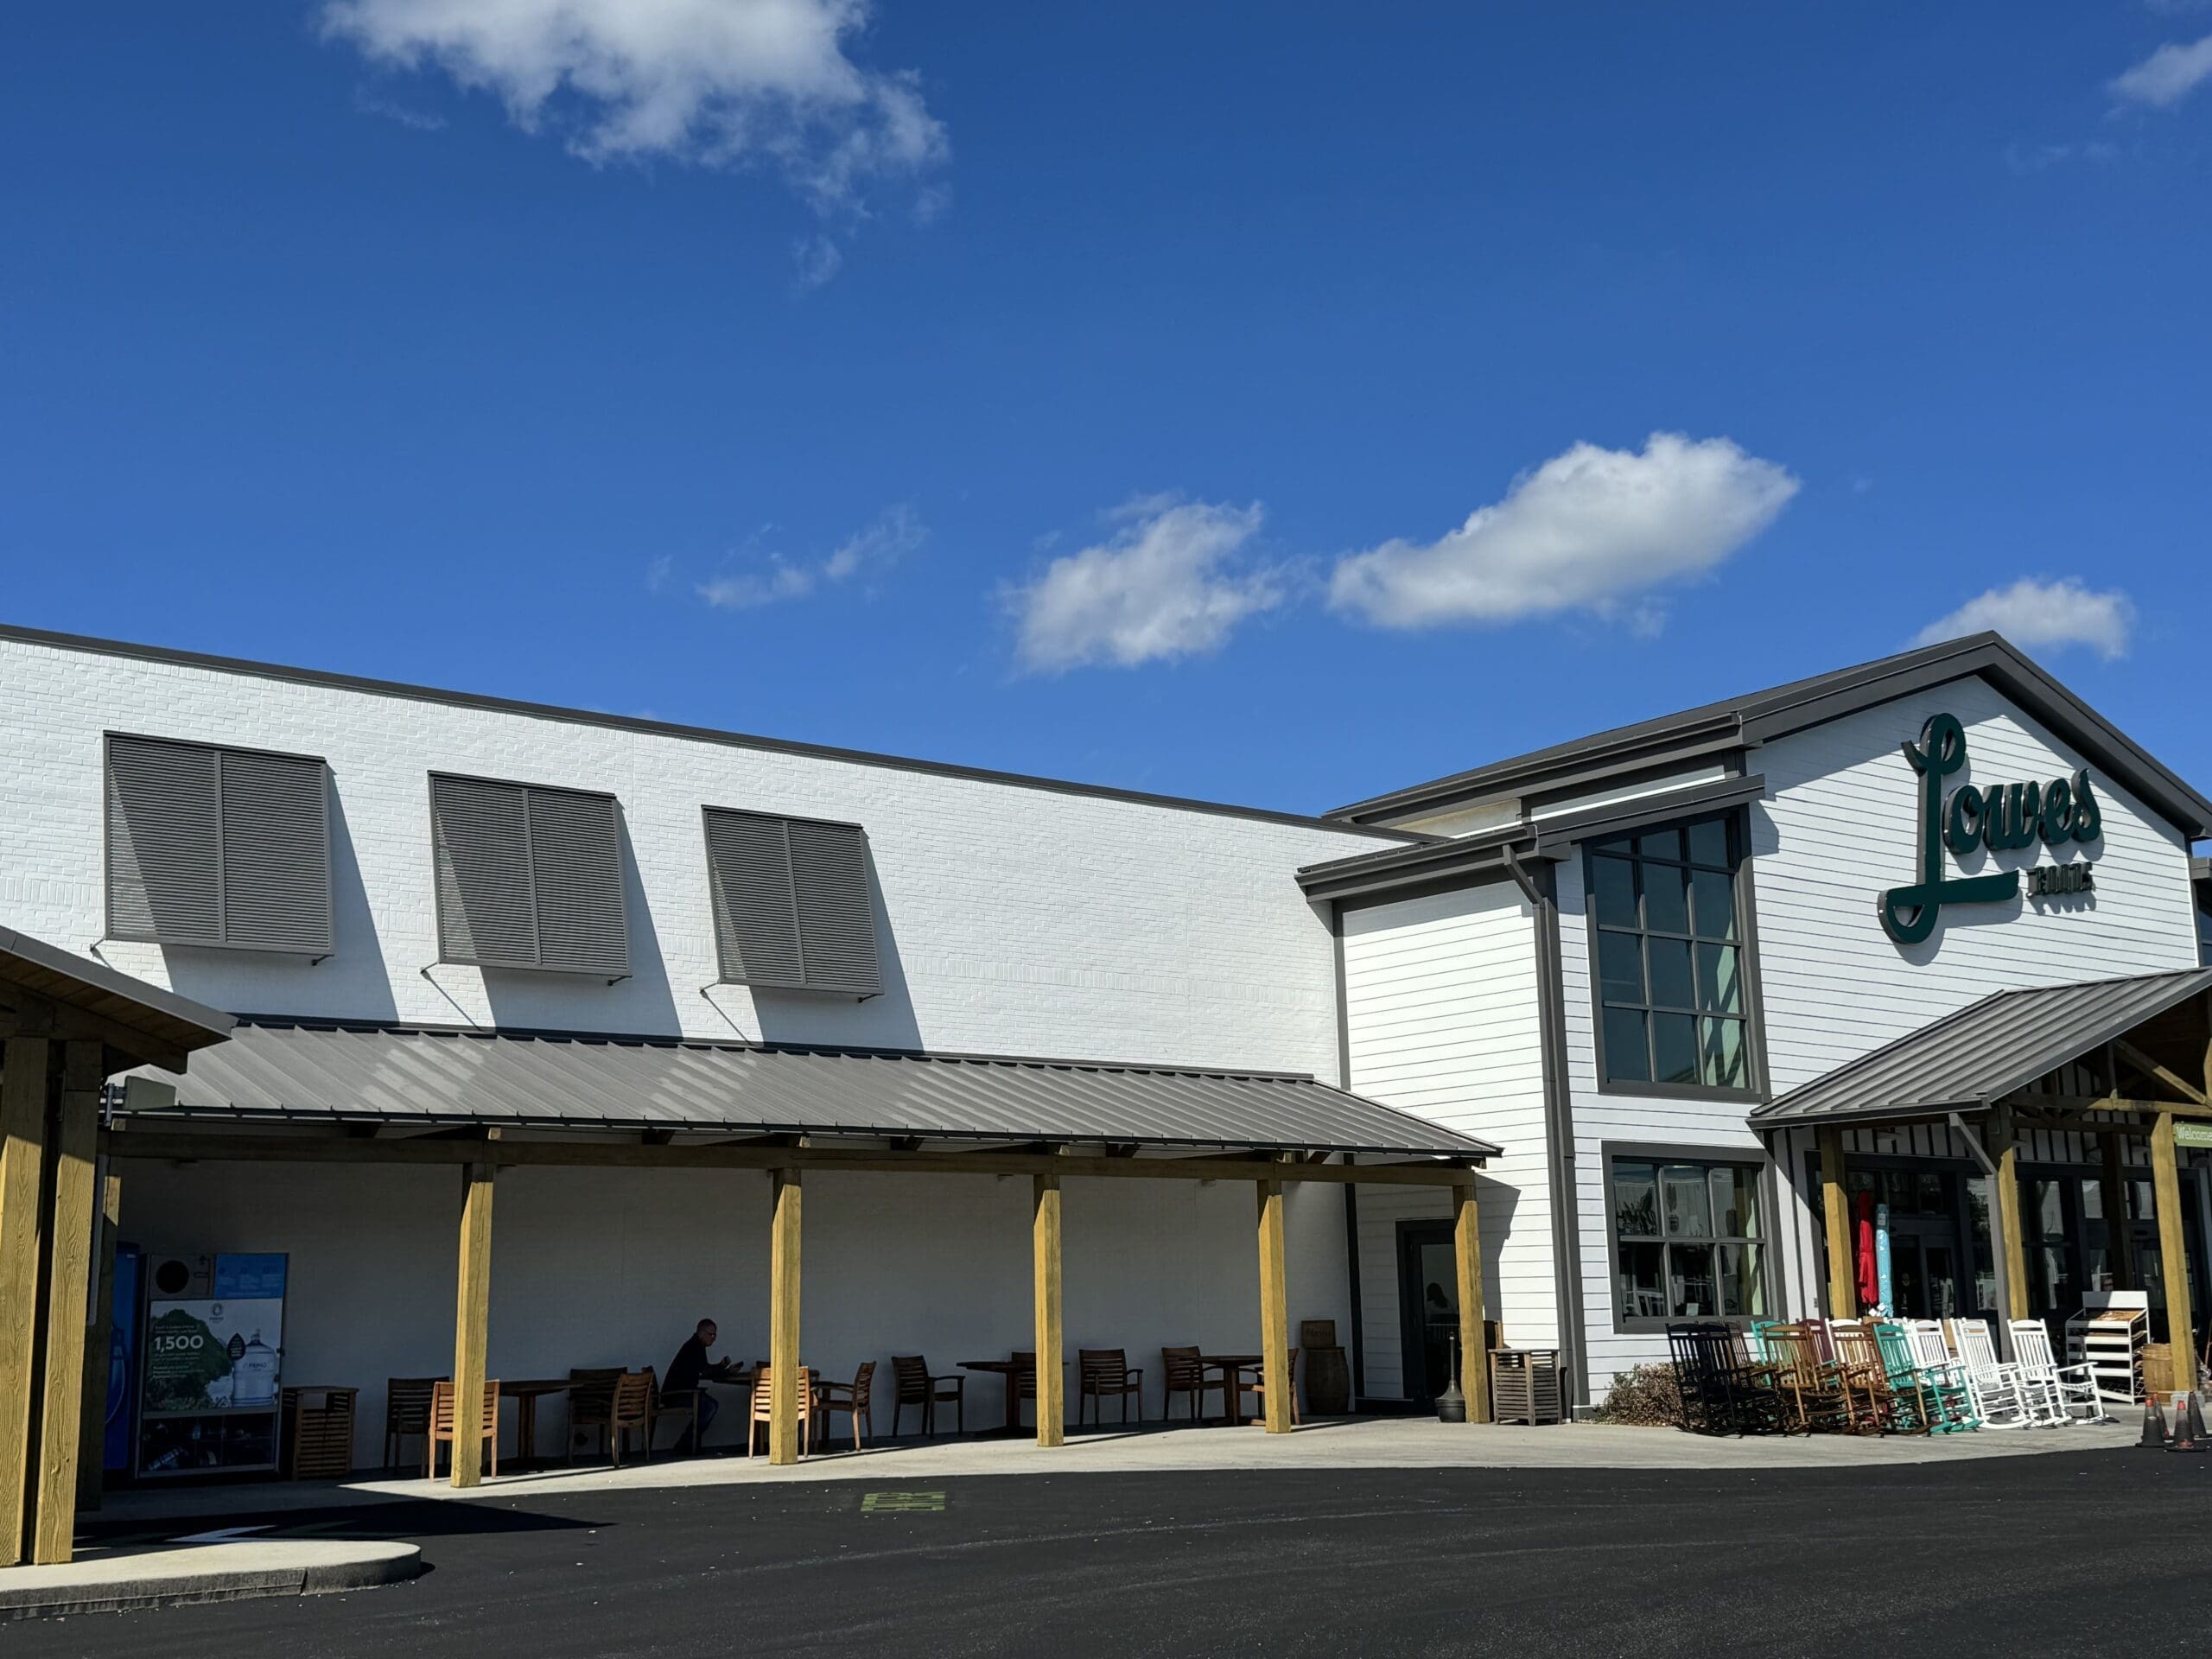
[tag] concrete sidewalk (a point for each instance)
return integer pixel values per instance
(1346, 1443)
(227, 1570)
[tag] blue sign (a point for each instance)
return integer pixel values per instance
(248, 1278)
(122, 1359)
(1882, 1257)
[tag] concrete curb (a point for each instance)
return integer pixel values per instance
(227, 1571)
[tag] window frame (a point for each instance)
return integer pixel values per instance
(1736, 820)
(504, 965)
(804, 985)
(109, 929)
(1762, 1175)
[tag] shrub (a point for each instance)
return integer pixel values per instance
(1644, 1396)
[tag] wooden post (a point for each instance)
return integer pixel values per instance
(22, 1147)
(2173, 1252)
(2010, 1240)
(68, 1295)
(2113, 1183)
(100, 1340)
(472, 1326)
(1275, 1309)
(782, 1318)
(1044, 1273)
(1835, 1210)
(1467, 1250)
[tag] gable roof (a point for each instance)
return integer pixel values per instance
(1746, 722)
(138, 1022)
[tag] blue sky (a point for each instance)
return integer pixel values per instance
(1244, 402)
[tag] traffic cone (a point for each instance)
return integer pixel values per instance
(2154, 1423)
(2188, 1435)
(2195, 1423)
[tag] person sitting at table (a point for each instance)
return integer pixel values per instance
(690, 1368)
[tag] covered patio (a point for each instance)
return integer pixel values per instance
(2063, 1075)
(482, 1103)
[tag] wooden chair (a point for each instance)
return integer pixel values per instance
(1812, 1397)
(761, 1415)
(1104, 1374)
(1185, 1380)
(591, 1402)
(1870, 1403)
(625, 1408)
(442, 1425)
(678, 1406)
(853, 1398)
(911, 1372)
(406, 1411)
(1024, 1383)
(1258, 1385)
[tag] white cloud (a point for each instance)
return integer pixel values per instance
(2043, 615)
(1168, 584)
(868, 553)
(715, 82)
(1590, 530)
(2167, 76)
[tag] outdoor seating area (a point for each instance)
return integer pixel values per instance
(1874, 1376)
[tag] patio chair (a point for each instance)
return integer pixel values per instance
(1722, 1392)
(1811, 1393)
(1023, 1383)
(591, 1400)
(406, 1411)
(1185, 1380)
(1258, 1385)
(676, 1406)
(441, 1427)
(624, 1409)
(915, 1386)
(1942, 1371)
(761, 1414)
(2070, 1385)
(2003, 1395)
(1104, 1374)
(1870, 1407)
(853, 1398)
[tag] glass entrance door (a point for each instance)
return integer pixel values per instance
(1428, 1306)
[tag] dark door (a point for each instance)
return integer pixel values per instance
(1428, 1306)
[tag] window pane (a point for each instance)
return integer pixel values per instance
(1613, 885)
(1746, 1201)
(1636, 1199)
(1642, 1295)
(1723, 1053)
(1673, 1048)
(1620, 967)
(1661, 843)
(1671, 974)
(1709, 843)
(1713, 896)
(1628, 1058)
(1741, 1292)
(1666, 898)
(1689, 1200)
(1690, 1283)
(1720, 988)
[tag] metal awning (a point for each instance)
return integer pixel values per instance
(435, 1077)
(1969, 1060)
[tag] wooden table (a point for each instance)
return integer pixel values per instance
(527, 1395)
(1010, 1370)
(1229, 1365)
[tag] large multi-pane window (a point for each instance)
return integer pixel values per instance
(1686, 1239)
(1673, 1008)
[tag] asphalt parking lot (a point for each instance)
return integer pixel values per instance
(2091, 1553)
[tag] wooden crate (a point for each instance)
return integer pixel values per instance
(1524, 1386)
(318, 1433)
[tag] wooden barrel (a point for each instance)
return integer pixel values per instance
(1328, 1381)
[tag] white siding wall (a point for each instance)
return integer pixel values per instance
(1838, 826)
(1441, 1013)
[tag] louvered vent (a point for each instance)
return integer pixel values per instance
(218, 847)
(792, 908)
(528, 877)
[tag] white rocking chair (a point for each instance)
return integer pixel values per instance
(2070, 1385)
(2004, 1395)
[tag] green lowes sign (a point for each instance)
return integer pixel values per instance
(2004, 818)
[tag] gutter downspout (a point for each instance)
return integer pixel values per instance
(1541, 887)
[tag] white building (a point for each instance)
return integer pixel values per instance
(1585, 968)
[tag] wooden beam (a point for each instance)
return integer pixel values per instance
(69, 1235)
(100, 1340)
(2173, 1253)
(188, 1146)
(1045, 1275)
(1275, 1309)
(1467, 1254)
(782, 1318)
(2012, 1237)
(2107, 1103)
(23, 1014)
(23, 1089)
(2112, 1187)
(1835, 1211)
(2150, 1068)
(472, 1325)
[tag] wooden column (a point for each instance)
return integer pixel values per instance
(69, 1296)
(23, 1147)
(2113, 1183)
(1467, 1252)
(100, 1339)
(472, 1326)
(1835, 1212)
(1044, 1273)
(2173, 1251)
(782, 1318)
(2010, 1240)
(1275, 1309)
